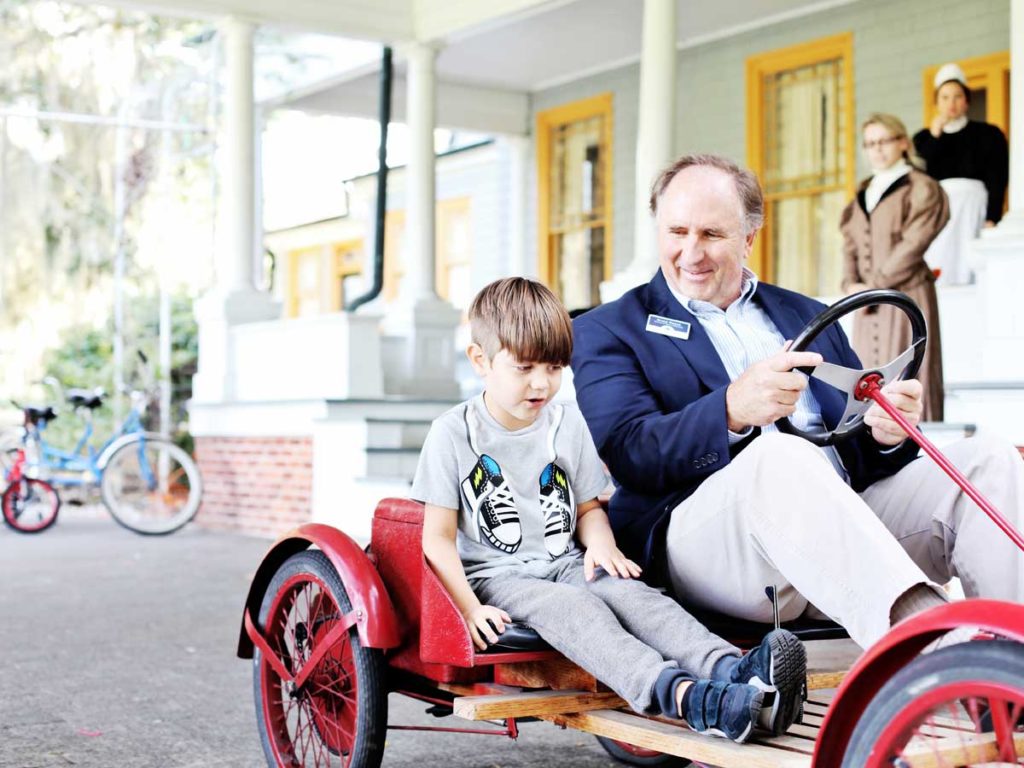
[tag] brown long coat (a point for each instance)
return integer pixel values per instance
(886, 250)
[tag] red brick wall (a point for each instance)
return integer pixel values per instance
(259, 485)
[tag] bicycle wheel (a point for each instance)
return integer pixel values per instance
(151, 486)
(30, 505)
(338, 718)
(939, 710)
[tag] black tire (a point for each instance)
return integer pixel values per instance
(308, 579)
(630, 755)
(30, 505)
(141, 498)
(965, 670)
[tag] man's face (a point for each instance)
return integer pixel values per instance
(951, 101)
(702, 242)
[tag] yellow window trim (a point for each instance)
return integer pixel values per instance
(547, 121)
(769, 63)
(443, 261)
(294, 257)
(340, 269)
(990, 72)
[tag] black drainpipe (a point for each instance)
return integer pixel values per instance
(382, 184)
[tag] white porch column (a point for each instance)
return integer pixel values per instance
(998, 252)
(420, 327)
(233, 298)
(654, 146)
(1016, 211)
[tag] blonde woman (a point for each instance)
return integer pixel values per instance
(887, 228)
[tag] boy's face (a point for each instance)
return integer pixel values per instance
(515, 390)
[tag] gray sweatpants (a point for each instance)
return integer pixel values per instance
(622, 631)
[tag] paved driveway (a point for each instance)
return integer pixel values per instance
(117, 650)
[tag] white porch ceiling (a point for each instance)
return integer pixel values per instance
(486, 70)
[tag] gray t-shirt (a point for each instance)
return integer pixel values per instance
(516, 491)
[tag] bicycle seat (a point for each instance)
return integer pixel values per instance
(39, 413)
(85, 398)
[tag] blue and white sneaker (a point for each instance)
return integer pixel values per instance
(727, 710)
(493, 507)
(778, 666)
(559, 509)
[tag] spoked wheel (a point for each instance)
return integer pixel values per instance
(339, 715)
(151, 486)
(958, 706)
(30, 505)
(630, 754)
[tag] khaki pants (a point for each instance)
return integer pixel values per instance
(779, 515)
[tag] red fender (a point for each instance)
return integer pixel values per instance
(894, 651)
(375, 617)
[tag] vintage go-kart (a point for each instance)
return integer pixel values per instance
(333, 628)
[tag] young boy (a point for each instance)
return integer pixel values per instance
(510, 483)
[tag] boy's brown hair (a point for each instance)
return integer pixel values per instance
(524, 318)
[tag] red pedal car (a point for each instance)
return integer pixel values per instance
(332, 629)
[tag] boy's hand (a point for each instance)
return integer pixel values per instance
(611, 559)
(485, 623)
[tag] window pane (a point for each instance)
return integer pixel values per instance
(807, 243)
(580, 256)
(577, 210)
(804, 174)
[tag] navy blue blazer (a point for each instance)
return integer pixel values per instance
(655, 405)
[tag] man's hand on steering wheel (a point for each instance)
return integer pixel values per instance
(906, 395)
(768, 390)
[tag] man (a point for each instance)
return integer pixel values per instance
(681, 381)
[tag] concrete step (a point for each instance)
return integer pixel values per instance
(996, 408)
(396, 433)
(392, 463)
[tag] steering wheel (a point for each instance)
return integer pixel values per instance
(852, 382)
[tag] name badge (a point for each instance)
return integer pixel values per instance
(667, 326)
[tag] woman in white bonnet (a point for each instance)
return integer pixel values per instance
(971, 161)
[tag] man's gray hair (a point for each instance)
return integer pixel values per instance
(747, 186)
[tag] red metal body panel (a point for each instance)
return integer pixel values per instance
(375, 617)
(890, 654)
(436, 644)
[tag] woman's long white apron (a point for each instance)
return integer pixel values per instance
(951, 250)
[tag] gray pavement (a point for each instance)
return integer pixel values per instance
(118, 650)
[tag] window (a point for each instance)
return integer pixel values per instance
(323, 278)
(304, 281)
(455, 251)
(574, 201)
(801, 145)
(349, 279)
(394, 253)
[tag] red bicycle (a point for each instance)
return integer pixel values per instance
(30, 505)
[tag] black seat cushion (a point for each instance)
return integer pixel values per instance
(85, 398)
(39, 413)
(518, 637)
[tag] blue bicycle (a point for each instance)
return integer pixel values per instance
(149, 484)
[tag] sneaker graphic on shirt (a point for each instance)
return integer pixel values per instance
(493, 507)
(557, 505)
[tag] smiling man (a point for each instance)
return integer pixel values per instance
(681, 381)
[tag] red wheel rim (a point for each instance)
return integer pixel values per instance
(941, 727)
(317, 724)
(636, 751)
(30, 504)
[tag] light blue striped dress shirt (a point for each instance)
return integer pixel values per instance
(743, 334)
